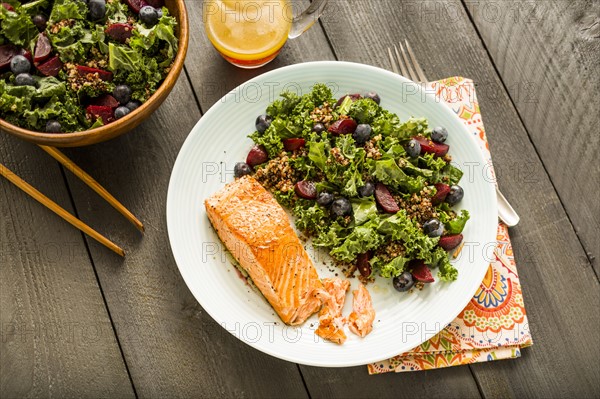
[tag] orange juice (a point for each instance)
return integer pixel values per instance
(248, 33)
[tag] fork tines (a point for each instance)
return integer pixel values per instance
(409, 67)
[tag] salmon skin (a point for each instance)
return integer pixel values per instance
(258, 233)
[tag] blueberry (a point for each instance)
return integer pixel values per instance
(241, 169)
(262, 123)
(362, 133)
(19, 64)
(148, 15)
(319, 128)
(455, 195)
(159, 13)
(413, 148)
(403, 282)
(25, 79)
(439, 134)
(40, 21)
(53, 127)
(433, 228)
(133, 105)
(97, 9)
(121, 112)
(341, 207)
(324, 198)
(122, 93)
(367, 190)
(373, 96)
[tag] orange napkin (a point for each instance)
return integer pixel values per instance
(494, 325)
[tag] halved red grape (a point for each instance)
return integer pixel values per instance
(429, 147)
(7, 52)
(442, 191)
(293, 144)
(450, 242)
(43, 48)
(342, 126)
(257, 155)
(119, 31)
(136, 5)
(420, 271)
(384, 199)
(306, 189)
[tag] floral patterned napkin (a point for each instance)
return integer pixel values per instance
(494, 325)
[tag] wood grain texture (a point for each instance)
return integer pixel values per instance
(563, 318)
(57, 209)
(93, 184)
(171, 345)
(173, 348)
(548, 54)
(56, 336)
(212, 77)
(355, 382)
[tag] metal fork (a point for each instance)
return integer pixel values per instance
(410, 68)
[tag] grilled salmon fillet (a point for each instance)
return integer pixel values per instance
(257, 231)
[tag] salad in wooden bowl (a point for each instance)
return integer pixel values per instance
(75, 72)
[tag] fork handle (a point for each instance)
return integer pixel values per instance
(506, 212)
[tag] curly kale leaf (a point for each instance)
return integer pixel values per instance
(364, 110)
(68, 9)
(310, 217)
(454, 225)
(390, 174)
(16, 26)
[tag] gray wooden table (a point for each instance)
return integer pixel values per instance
(77, 321)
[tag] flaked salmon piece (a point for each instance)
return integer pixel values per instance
(334, 293)
(361, 319)
(258, 233)
(331, 322)
(331, 328)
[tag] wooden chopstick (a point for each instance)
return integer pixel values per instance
(93, 184)
(54, 207)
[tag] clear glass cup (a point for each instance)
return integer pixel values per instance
(250, 33)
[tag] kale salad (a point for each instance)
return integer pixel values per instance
(375, 191)
(72, 65)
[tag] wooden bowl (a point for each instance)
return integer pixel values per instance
(127, 123)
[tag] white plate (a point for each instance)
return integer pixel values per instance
(205, 163)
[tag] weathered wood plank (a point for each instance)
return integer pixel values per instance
(355, 382)
(564, 318)
(548, 54)
(56, 335)
(212, 77)
(171, 345)
(554, 68)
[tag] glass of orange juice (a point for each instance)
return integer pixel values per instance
(250, 33)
